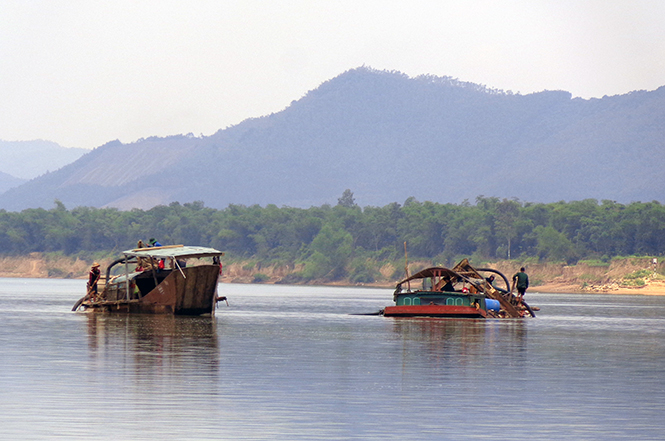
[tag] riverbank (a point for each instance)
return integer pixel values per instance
(652, 288)
(631, 275)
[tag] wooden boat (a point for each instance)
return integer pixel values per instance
(461, 292)
(184, 284)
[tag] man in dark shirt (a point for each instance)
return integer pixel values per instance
(521, 281)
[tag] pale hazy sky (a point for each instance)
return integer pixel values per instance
(82, 73)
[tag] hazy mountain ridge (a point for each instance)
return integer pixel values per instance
(387, 137)
(8, 181)
(29, 159)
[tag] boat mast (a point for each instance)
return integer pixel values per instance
(406, 268)
(126, 279)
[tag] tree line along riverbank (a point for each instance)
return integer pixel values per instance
(347, 244)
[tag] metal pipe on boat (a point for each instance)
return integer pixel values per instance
(499, 273)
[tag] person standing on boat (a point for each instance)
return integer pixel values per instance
(93, 278)
(491, 279)
(217, 261)
(141, 262)
(521, 281)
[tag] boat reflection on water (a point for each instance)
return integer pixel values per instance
(154, 344)
(460, 343)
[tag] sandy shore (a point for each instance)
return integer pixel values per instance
(655, 288)
(555, 279)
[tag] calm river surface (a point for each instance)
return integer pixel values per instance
(284, 362)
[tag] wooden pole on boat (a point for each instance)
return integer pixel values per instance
(158, 248)
(406, 267)
(126, 279)
(178, 266)
(154, 275)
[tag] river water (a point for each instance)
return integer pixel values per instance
(285, 363)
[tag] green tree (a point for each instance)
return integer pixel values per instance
(507, 213)
(330, 252)
(347, 199)
(554, 245)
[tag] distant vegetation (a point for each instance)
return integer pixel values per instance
(347, 241)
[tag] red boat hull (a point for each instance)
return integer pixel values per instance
(434, 311)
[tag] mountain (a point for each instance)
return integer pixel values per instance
(8, 181)
(29, 159)
(386, 137)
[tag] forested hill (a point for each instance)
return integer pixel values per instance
(387, 137)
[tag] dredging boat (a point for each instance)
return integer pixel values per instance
(173, 279)
(462, 292)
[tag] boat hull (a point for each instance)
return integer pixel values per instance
(434, 311)
(190, 292)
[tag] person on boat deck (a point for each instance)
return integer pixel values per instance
(142, 263)
(93, 278)
(154, 243)
(448, 287)
(490, 280)
(217, 261)
(522, 281)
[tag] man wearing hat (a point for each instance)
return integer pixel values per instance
(154, 243)
(93, 278)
